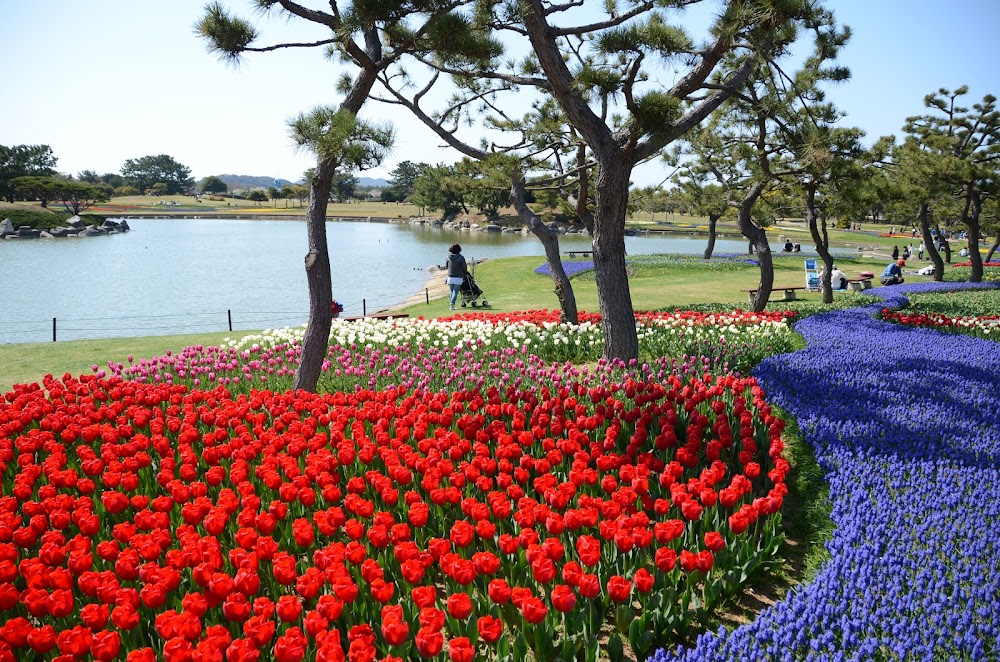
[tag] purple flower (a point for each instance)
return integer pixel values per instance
(571, 268)
(905, 422)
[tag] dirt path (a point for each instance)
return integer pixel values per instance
(435, 286)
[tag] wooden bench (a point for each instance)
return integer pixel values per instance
(373, 316)
(789, 291)
(583, 253)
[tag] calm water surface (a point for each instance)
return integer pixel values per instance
(183, 275)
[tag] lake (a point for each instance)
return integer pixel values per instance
(171, 276)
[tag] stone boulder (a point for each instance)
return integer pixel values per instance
(6, 228)
(90, 231)
(124, 226)
(63, 232)
(27, 232)
(75, 222)
(492, 227)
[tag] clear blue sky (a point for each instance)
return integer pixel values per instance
(117, 79)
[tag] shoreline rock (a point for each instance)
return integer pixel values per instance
(74, 228)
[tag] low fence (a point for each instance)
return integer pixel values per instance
(90, 328)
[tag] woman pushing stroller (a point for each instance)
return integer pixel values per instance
(457, 269)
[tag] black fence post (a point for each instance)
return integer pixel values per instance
(427, 295)
(230, 314)
(53, 329)
(364, 308)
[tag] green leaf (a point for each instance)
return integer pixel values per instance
(616, 651)
(520, 647)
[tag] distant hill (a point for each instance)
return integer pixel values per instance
(247, 182)
(373, 183)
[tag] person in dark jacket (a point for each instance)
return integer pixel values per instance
(457, 268)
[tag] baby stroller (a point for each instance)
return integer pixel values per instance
(471, 292)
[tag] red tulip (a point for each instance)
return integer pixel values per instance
(563, 598)
(499, 591)
(289, 608)
(665, 559)
(394, 629)
(459, 606)
(16, 632)
(460, 650)
(290, 647)
(589, 550)
(534, 610)
(424, 596)
(590, 586)
(75, 642)
(643, 580)
(619, 588)
(431, 618)
(429, 642)
(105, 645)
(42, 639)
(125, 617)
(490, 628)
(714, 541)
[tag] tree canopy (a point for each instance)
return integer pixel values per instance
(22, 161)
(213, 184)
(955, 151)
(143, 173)
(402, 180)
(596, 92)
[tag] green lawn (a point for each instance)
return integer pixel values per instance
(29, 362)
(510, 284)
(187, 205)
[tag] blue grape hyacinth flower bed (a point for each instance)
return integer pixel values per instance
(571, 268)
(906, 423)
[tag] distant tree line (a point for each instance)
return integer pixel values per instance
(28, 172)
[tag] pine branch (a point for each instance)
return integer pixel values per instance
(275, 47)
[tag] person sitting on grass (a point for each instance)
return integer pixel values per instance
(838, 279)
(893, 274)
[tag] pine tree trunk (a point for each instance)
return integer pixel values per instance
(993, 249)
(563, 288)
(758, 240)
(974, 256)
(713, 219)
(923, 217)
(550, 240)
(822, 241)
(317, 336)
(611, 199)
